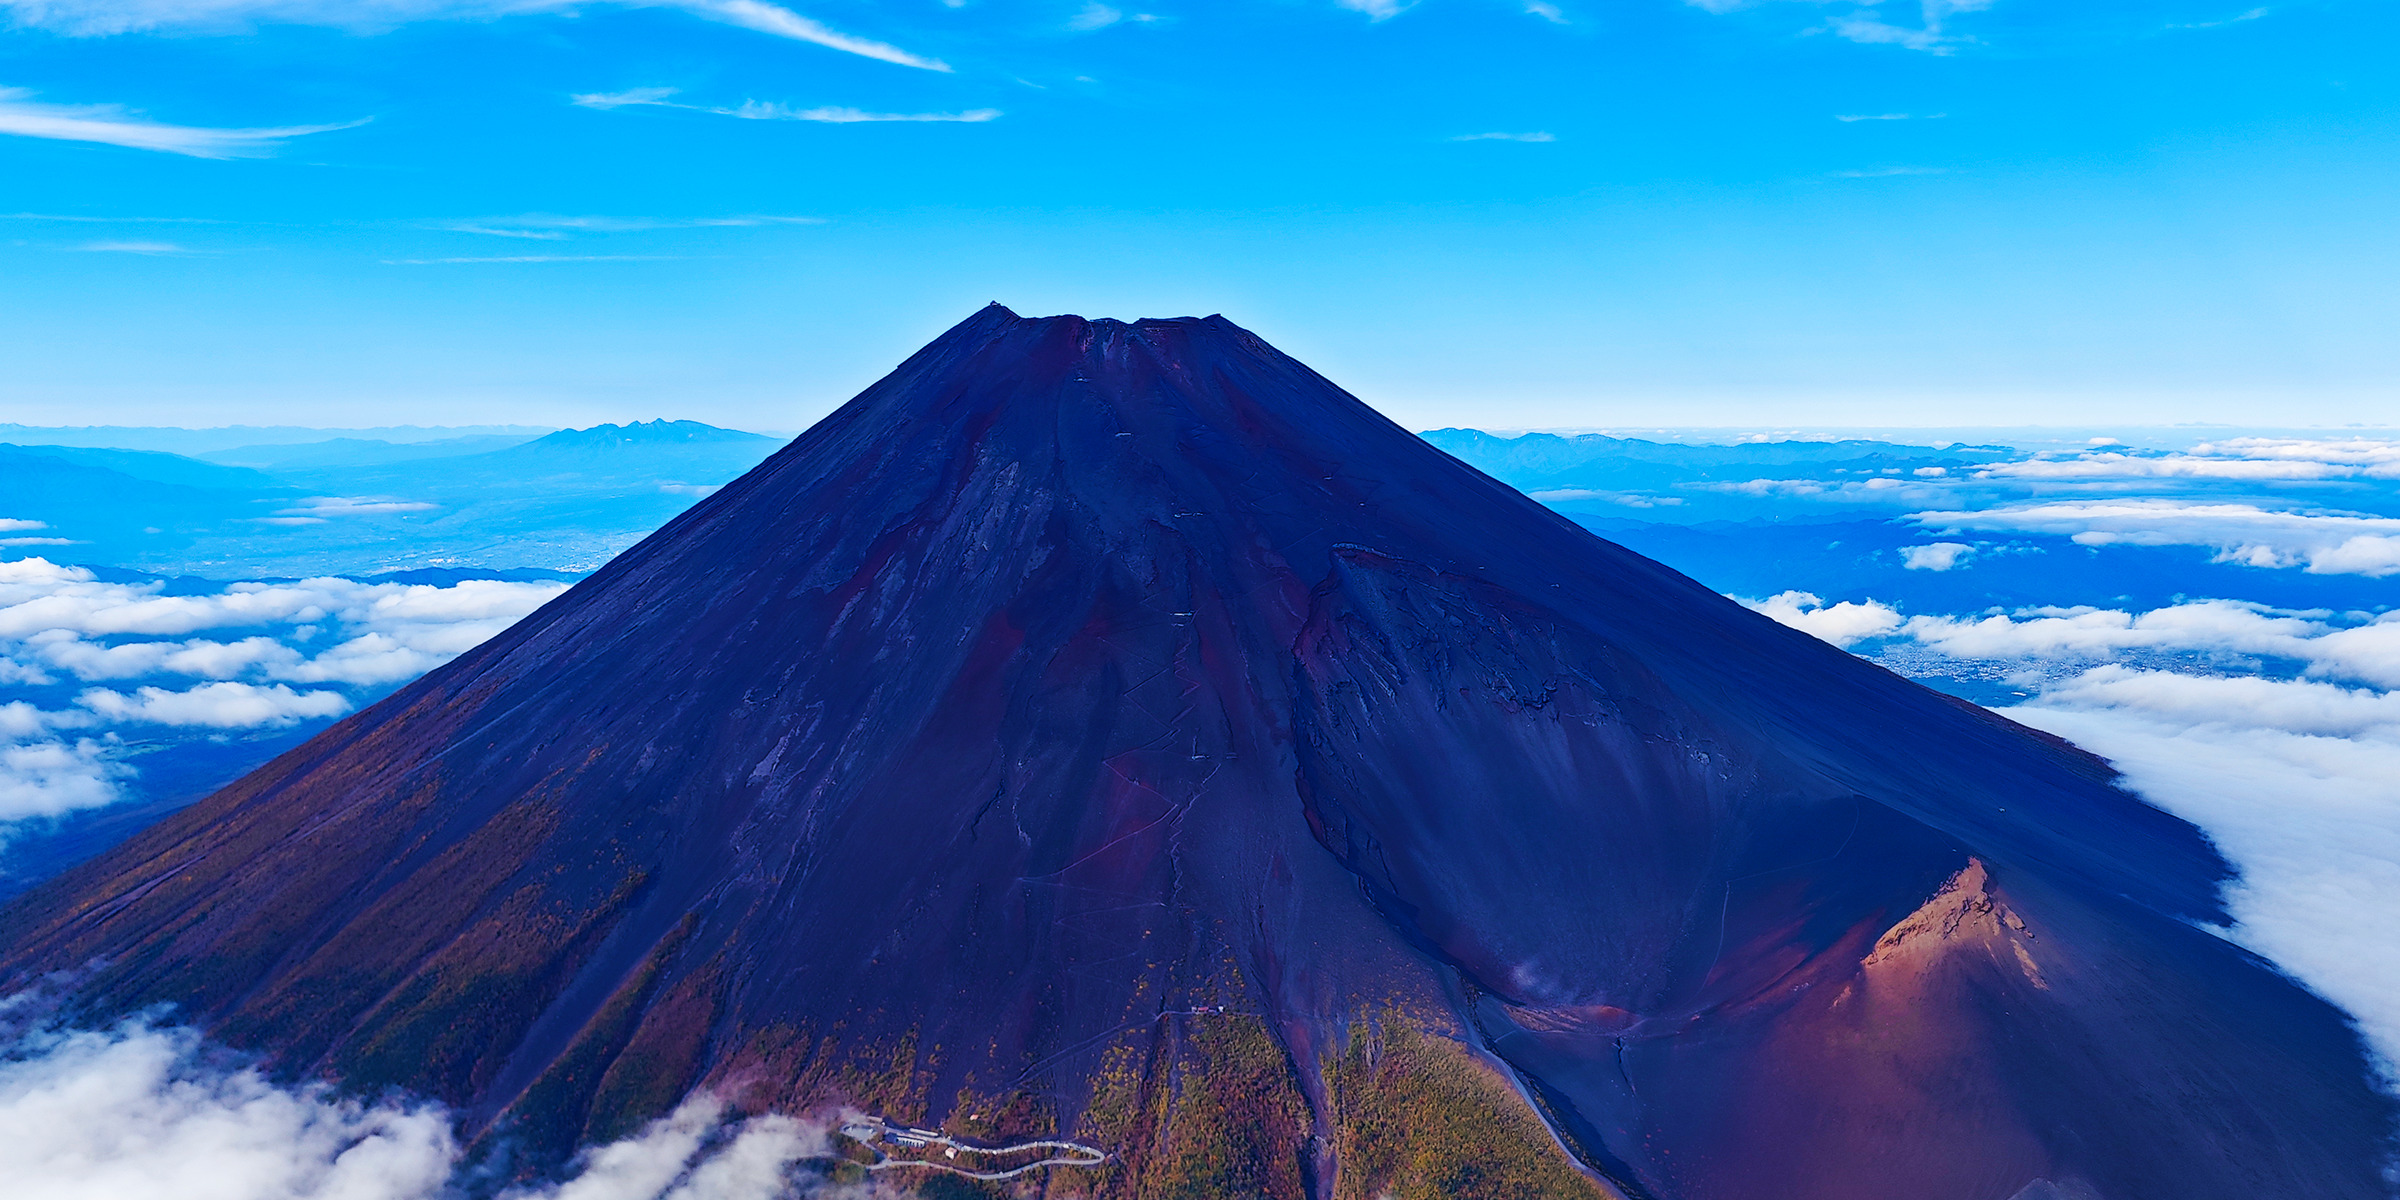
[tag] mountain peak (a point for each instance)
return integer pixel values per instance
(655, 432)
(1115, 730)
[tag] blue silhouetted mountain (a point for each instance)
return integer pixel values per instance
(359, 452)
(123, 505)
(1118, 731)
(563, 502)
(603, 456)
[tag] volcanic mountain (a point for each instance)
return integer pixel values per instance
(1119, 731)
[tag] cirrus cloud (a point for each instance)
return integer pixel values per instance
(113, 125)
(94, 18)
(762, 110)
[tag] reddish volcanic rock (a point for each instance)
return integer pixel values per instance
(1093, 708)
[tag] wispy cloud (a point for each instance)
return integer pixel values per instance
(80, 218)
(161, 248)
(1867, 26)
(1847, 117)
(630, 96)
(783, 22)
(1889, 172)
(1504, 137)
(113, 125)
(1546, 11)
(1870, 29)
(93, 18)
(549, 227)
(1380, 10)
(762, 110)
(754, 110)
(1100, 16)
(509, 258)
(349, 506)
(2236, 19)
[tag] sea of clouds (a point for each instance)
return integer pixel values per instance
(2262, 502)
(91, 662)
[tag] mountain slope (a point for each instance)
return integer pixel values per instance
(1118, 729)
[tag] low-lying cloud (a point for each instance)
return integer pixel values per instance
(2295, 789)
(2320, 543)
(1937, 556)
(2221, 634)
(216, 705)
(143, 1109)
(2246, 458)
(82, 658)
(2276, 732)
(52, 778)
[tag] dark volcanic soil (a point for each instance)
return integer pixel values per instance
(1082, 679)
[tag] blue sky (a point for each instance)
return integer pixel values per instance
(2022, 211)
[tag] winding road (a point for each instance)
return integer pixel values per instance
(875, 1133)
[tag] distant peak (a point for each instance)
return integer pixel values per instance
(652, 431)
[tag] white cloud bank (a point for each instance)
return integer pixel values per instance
(51, 778)
(136, 1111)
(1845, 624)
(2320, 543)
(2293, 781)
(112, 125)
(2246, 458)
(1938, 556)
(2324, 645)
(95, 18)
(140, 1110)
(216, 705)
(319, 646)
(2291, 777)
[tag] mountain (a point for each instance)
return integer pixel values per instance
(1118, 731)
(122, 505)
(358, 452)
(197, 442)
(563, 502)
(158, 467)
(659, 432)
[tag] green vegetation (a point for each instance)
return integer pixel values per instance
(1214, 1112)
(661, 1061)
(1419, 1118)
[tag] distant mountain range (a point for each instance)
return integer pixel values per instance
(178, 440)
(562, 501)
(354, 452)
